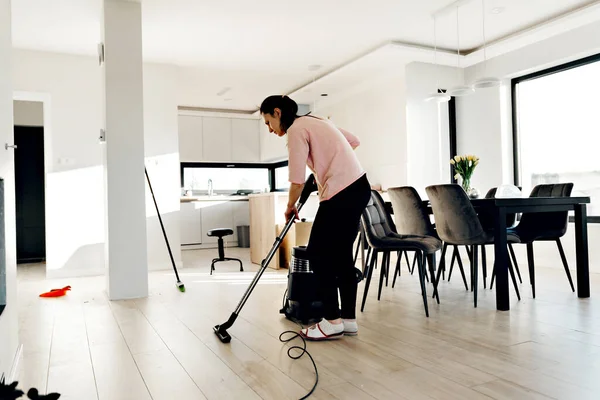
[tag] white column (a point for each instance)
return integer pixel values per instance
(126, 255)
(9, 330)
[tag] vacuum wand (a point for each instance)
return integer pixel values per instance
(221, 330)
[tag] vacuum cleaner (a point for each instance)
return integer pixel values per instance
(221, 330)
(302, 304)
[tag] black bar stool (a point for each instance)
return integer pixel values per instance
(220, 232)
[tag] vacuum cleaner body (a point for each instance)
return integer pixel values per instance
(302, 303)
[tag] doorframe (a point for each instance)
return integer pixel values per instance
(46, 101)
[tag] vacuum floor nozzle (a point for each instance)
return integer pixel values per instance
(222, 334)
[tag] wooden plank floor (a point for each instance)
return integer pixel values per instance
(163, 347)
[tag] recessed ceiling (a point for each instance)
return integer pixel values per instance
(276, 37)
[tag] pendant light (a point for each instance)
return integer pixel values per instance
(460, 90)
(485, 82)
(438, 96)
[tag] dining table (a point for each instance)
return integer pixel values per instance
(498, 208)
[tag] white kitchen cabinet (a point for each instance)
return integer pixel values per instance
(190, 138)
(191, 223)
(216, 136)
(245, 139)
(216, 214)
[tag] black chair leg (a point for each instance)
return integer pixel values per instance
(371, 267)
(515, 263)
(398, 266)
(212, 266)
(452, 263)
(531, 263)
(422, 275)
(431, 261)
(382, 273)
(475, 268)
(407, 262)
(461, 268)
(387, 268)
(414, 263)
(442, 265)
(357, 248)
(514, 280)
(368, 256)
(565, 264)
(484, 265)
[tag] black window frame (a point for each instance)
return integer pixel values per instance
(268, 166)
(515, 117)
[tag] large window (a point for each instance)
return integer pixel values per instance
(227, 178)
(557, 128)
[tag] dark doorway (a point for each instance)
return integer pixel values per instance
(30, 194)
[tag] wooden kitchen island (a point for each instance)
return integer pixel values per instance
(266, 221)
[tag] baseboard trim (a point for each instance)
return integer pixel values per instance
(14, 371)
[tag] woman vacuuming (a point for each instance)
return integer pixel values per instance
(344, 192)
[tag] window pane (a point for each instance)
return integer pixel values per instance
(226, 180)
(282, 176)
(559, 115)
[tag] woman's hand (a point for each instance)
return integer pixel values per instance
(291, 212)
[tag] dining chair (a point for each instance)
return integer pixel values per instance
(457, 223)
(383, 240)
(413, 219)
(551, 226)
(487, 221)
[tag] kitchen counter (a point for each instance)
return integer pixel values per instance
(189, 199)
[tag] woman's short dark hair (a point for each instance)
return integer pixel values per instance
(288, 107)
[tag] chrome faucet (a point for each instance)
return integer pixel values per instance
(210, 187)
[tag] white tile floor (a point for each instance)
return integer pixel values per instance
(163, 347)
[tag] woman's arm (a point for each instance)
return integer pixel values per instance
(294, 195)
(353, 140)
(298, 150)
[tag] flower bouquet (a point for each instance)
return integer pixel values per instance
(464, 167)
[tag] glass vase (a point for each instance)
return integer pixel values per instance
(466, 184)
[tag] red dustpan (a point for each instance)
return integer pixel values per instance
(56, 292)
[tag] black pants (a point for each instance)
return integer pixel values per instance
(330, 248)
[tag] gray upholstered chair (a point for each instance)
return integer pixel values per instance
(545, 227)
(457, 224)
(413, 219)
(383, 240)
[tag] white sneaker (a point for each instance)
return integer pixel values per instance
(350, 328)
(324, 330)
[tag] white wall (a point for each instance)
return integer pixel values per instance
(378, 117)
(9, 330)
(427, 144)
(474, 112)
(161, 142)
(74, 182)
(28, 113)
(481, 131)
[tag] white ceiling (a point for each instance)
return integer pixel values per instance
(275, 36)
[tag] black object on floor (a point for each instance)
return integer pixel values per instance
(180, 284)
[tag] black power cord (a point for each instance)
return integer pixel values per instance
(303, 351)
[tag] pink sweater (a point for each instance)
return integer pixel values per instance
(328, 152)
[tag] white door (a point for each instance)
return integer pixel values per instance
(245, 140)
(190, 138)
(216, 139)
